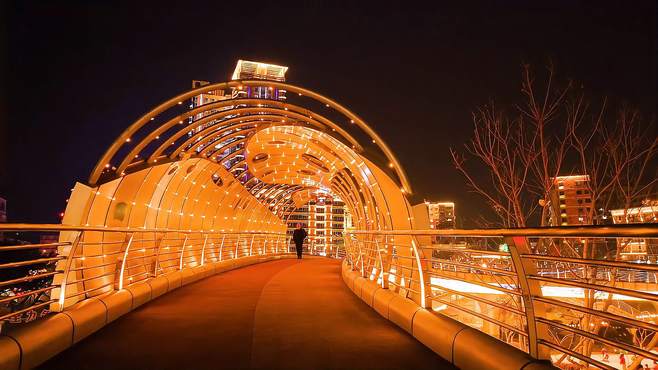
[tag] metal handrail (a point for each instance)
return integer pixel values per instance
(59, 228)
(136, 257)
(600, 282)
(589, 231)
(32, 277)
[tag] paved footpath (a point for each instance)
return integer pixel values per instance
(286, 314)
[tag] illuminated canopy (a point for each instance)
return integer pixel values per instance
(279, 151)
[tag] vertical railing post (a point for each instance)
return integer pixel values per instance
(251, 245)
(156, 265)
(358, 245)
(67, 270)
(518, 245)
(182, 252)
(276, 245)
(221, 247)
(124, 259)
(424, 281)
(383, 270)
(351, 252)
(203, 250)
(237, 245)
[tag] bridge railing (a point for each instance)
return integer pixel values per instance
(78, 262)
(579, 296)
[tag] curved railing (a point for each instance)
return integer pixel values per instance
(79, 262)
(578, 296)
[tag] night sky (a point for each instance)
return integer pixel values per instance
(77, 73)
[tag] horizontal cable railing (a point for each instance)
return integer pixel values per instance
(579, 296)
(79, 262)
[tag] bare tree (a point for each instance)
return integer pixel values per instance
(491, 144)
(633, 149)
(548, 146)
(557, 131)
(521, 153)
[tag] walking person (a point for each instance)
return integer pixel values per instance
(298, 237)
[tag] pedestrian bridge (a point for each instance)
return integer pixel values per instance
(174, 254)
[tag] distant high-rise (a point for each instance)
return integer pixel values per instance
(569, 202)
(442, 215)
(325, 219)
(244, 70)
(247, 70)
(435, 215)
(638, 248)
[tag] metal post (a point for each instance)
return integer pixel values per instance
(203, 250)
(67, 270)
(251, 245)
(424, 280)
(123, 261)
(358, 244)
(157, 255)
(237, 244)
(349, 252)
(383, 270)
(518, 245)
(182, 252)
(221, 247)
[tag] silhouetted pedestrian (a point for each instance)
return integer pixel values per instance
(298, 237)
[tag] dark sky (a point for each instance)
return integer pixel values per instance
(76, 73)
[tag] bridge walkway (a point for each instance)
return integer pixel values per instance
(286, 314)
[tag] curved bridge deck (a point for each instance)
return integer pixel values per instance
(281, 314)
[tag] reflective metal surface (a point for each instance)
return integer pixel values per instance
(577, 295)
(36, 279)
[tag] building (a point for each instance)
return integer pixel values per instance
(569, 202)
(442, 215)
(244, 70)
(638, 248)
(435, 215)
(325, 218)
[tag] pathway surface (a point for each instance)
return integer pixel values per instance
(285, 314)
